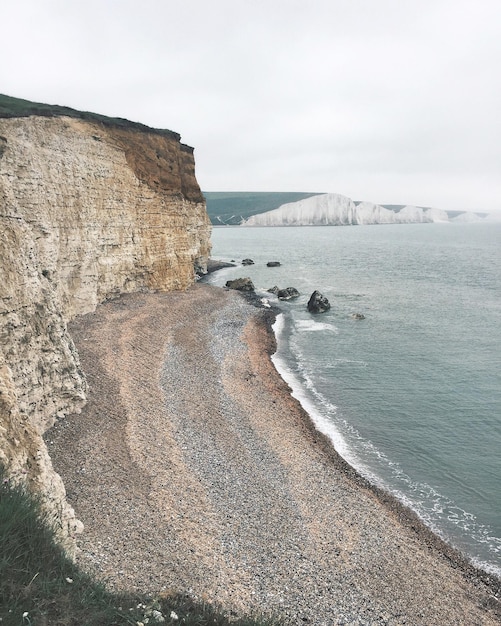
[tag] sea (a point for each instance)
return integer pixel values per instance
(410, 395)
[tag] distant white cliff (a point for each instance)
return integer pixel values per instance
(468, 216)
(493, 217)
(332, 209)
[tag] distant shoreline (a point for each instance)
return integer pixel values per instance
(227, 208)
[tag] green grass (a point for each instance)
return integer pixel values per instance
(40, 586)
(16, 107)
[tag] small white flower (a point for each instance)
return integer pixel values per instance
(174, 615)
(69, 580)
(157, 616)
(25, 614)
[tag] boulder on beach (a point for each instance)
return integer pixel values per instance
(247, 262)
(273, 264)
(318, 303)
(288, 293)
(240, 284)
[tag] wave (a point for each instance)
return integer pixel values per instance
(298, 391)
(314, 326)
(337, 362)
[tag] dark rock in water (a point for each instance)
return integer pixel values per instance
(273, 264)
(274, 290)
(240, 284)
(247, 262)
(358, 316)
(288, 293)
(213, 265)
(318, 303)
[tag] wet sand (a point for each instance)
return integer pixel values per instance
(194, 470)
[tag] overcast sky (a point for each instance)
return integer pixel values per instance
(391, 101)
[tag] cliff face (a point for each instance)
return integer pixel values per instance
(336, 210)
(87, 211)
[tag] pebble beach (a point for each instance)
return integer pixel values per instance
(194, 470)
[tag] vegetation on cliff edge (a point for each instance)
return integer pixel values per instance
(16, 107)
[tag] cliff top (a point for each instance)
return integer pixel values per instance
(16, 107)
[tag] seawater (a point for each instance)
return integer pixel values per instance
(410, 395)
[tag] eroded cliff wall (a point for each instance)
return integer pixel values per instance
(87, 211)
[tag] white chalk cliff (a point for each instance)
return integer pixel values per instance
(333, 209)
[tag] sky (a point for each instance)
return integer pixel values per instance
(389, 101)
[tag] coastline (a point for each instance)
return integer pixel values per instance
(193, 469)
(407, 514)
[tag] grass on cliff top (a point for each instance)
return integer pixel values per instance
(39, 585)
(16, 107)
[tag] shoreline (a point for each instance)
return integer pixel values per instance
(404, 512)
(193, 469)
(390, 500)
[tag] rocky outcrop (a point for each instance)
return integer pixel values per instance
(289, 293)
(318, 303)
(88, 211)
(214, 265)
(240, 284)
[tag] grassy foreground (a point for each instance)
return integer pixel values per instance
(40, 586)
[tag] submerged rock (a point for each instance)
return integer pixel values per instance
(273, 264)
(318, 303)
(358, 316)
(240, 284)
(288, 293)
(247, 262)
